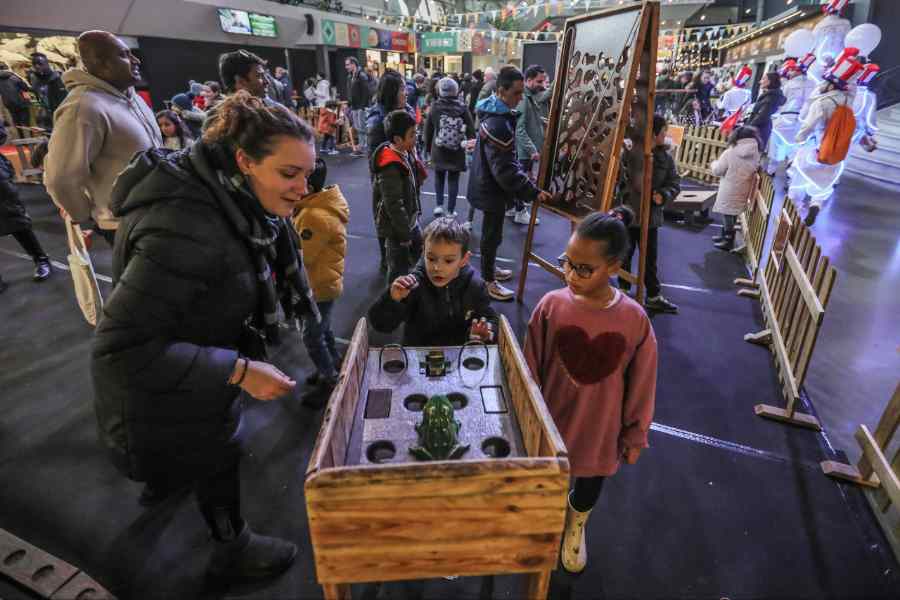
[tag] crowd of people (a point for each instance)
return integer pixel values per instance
(224, 227)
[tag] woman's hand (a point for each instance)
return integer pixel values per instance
(631, 455)
(262, 380)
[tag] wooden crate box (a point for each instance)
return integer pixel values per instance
(414, 520)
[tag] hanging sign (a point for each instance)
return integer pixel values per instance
(443, 42)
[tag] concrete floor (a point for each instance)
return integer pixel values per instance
(723, 504)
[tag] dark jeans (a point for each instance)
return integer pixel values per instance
(30, 244)
(491, 238)
(219, 499)
(452, 179)
(728, 223)
(651, 278)
(328, 143)
(586, 492)
(402, 259)
(319, 341)
(21, 118)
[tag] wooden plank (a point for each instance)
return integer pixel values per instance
(793, 417)
(845, 472)
(537, 585)
(809, 346)
(31, 567)
(508, 553)
(806, 289)
(777, 347)
(336, 591)
(889, 479)
(884, 432)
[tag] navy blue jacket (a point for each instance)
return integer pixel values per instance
(496, 177)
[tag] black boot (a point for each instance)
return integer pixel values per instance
(661, 304)
(250, 556)
(811, 216)
(42, 268)
(726, 243)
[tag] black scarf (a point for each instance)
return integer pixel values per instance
(274, 246)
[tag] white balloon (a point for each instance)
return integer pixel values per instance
(799, 43)
(866, 37)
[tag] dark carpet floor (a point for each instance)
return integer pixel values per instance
(724, 504)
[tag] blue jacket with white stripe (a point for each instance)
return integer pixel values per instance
(496, 176)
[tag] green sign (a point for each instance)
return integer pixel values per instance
(263, 25)
(443, 42)
(327, 31)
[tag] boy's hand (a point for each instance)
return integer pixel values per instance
(631, 455)
(481, 330)
(658, 199)
(403, 286)
(545, 197)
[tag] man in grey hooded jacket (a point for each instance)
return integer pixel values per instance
(98, 128)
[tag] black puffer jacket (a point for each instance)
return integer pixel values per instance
(445, 159)
(13, 216)
(173, 326)
(497, 177)
(766, 105)
(435, 316)
(395, 194)
(666, 181)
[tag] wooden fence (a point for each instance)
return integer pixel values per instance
(755, 224)
(794, 289)
(698, 149)
(876, 471)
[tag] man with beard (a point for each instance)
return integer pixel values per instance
(101, 124)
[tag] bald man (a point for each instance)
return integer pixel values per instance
(98, 128)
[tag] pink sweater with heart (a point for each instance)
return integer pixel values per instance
(597, 370)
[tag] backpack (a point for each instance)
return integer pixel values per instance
(838, 135)
(450, 132)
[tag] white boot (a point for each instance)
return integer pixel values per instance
(574, 545)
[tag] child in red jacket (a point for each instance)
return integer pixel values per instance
(328, 124)
(592, 351)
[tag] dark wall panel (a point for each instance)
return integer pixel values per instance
(540, 53)
(169, 64)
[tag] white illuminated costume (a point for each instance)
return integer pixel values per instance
(738, 96)
(783, 145)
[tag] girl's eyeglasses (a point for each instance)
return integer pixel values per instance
(582, 270)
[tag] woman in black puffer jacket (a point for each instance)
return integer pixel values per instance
(448, 127)
(770, 99)
(202, 232)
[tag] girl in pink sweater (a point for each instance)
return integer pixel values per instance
(592, 351)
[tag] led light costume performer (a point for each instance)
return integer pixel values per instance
(847, 79)
(829, 36)
(738, 96)
(798, 88)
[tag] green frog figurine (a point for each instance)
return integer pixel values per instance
(438, 432)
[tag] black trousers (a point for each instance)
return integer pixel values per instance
(452, 180)
(402, 259)
(30, 244)
(651, 277)
(491, 238)
(219, 500)
(728, 225)
(107, 234)
(586, 492)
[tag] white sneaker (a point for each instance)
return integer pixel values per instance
(523, 217)
(438, 211)
(467, 225)
(498, 292)
(452, 215)
(502, 274)
(511, 212)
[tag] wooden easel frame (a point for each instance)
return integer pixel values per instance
(640, 94)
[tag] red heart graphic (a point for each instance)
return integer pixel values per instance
(589, 361)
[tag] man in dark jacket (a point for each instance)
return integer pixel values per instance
(475, 89)
(443, 302)
(767, 104)
(48, 85)
(14, 94)
(497, 178)
(397, 185)
(530, 130)
(666, 186)
(358, 97)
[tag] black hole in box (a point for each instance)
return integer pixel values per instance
(415, 402)
(393, 366)
(495, 447)
(473, 363)
(459, 401)
(381, 451)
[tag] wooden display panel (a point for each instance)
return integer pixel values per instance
(417, 520)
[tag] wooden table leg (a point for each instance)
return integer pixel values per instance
(336, 591)
(537, 585)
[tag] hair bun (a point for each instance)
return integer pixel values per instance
(624, 214)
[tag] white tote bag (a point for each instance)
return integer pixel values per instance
(86, 289)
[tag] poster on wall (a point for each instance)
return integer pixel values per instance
(327, 32)
(384, 39)
(371, 38)
(479, 48)
(464, 41)
(355, 39)
(439, 43)
(341, 34)
(399, 41)
(263, 25)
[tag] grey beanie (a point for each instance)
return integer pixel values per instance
(448, 88)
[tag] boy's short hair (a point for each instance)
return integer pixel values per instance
(447, 229)
(237, 64)
(398, 123)
(331, 104)
(659, 123)
(508, 76)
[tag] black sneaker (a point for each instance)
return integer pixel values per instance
(42, 269)
(661, 304)
(811, 216)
